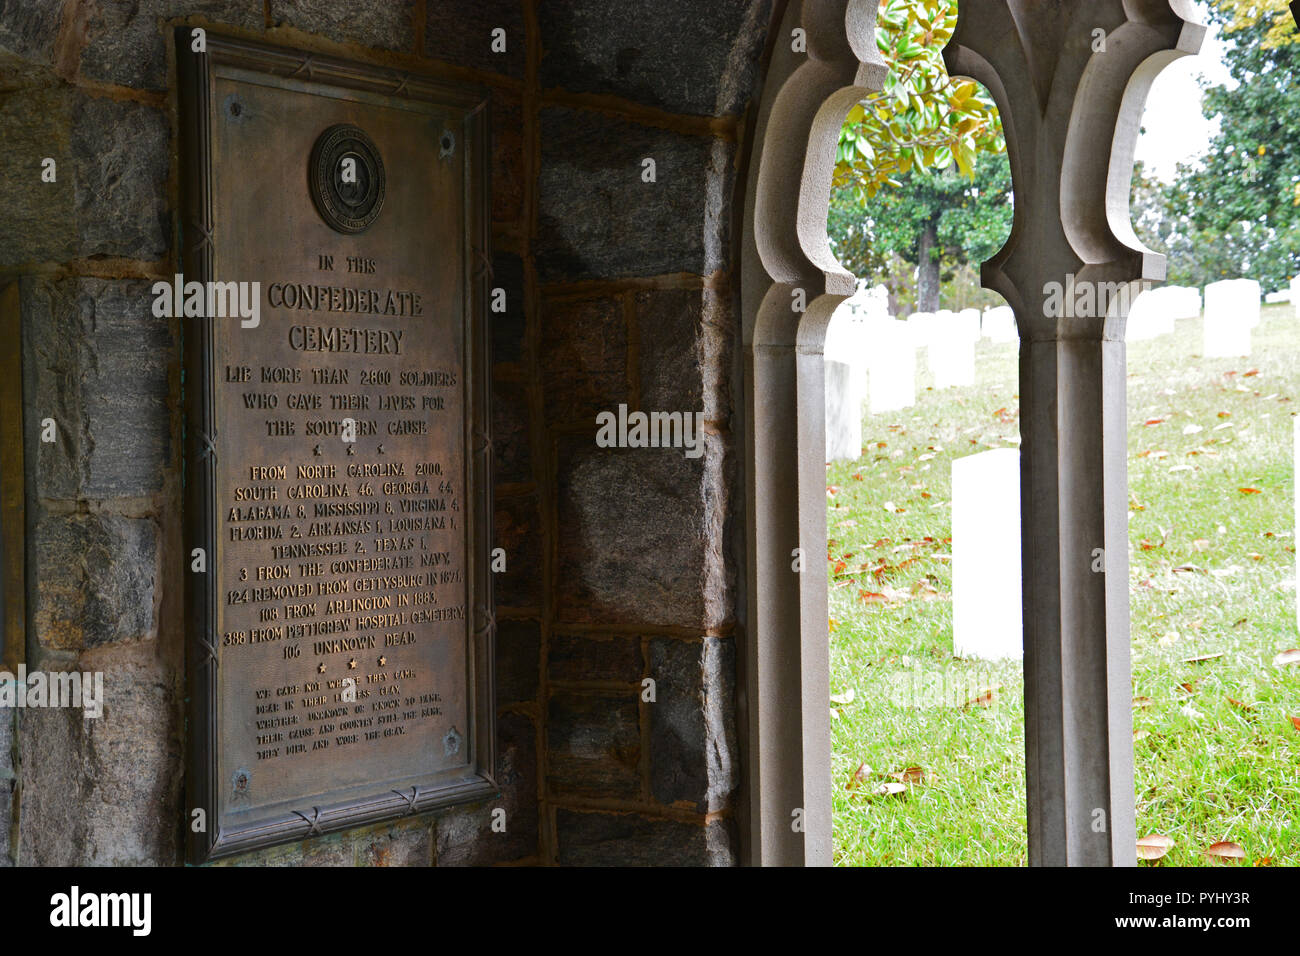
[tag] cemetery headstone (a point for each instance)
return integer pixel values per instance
(986, 590)
(1231, 311)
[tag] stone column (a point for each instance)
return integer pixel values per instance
(824, 59)
(1071, 81)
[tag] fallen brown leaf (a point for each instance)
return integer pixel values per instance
(1250, 491)
(910, 775)
(985, 698)
(1202, 659)
(1140, 735)
(858, 777)
(1142, 703)
(1295, 722)
(1153, 847)
(1236, 703)
(1287, 657)
(1223, 850)
(890, 789)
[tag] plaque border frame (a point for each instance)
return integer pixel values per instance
(284, 66)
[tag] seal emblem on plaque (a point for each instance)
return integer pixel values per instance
(346, 175)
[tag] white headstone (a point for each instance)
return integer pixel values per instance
(1231, 311)
(1277, 298)
(1000, 325)
(952, 352)
(970, 323)
(986, 618)
(891, 370)
(1183, 303)
(843, 412)
(1151, 315)
(1295, 295)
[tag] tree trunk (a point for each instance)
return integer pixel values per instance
(927, 271)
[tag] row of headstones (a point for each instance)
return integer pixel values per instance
(871, 357)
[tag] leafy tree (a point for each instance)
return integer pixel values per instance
(910, 187)
(923, 118)
(1242, 200)
(1273, 15)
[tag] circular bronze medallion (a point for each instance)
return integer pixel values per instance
(347, 179)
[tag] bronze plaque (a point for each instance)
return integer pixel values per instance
(337, 455)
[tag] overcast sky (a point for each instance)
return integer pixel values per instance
(1174, 128)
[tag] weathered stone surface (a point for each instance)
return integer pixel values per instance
(511, 443)
(27, 32)
(405, 843)
(98, 362)
(518, 530)
(94, 577)
(333, 849)
(518, 646)
(598, 219)
(685, 351)
(39, 224)
(582, 657)
(120, 152)
(642, 538)
(387, 25)
(583, 358)
(692, 722)
(8, 780)
(509, 328)
(465, 835)
(659, 52)
(462, 34)
(628, 839)
(126, 43)
(508, 170)
(109, 196)
(105, 792)
(594, 744)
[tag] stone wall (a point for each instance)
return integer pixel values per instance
(620, 566)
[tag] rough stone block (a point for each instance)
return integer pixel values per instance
(512, 459)
(95, 578)
(121, 153)
(465, 836)
(27, 32)
(519, 531)
(518, 648)
(595, 658)
(7, 784)
(105, 792)
(40, 223)
(509, 328)
(126, 43)
(404, 843)
(109, 196)
(98, 362)
(461, 33)
(594, 744)
(388, 25)
(642, 536)
(598, 219)
(658, 52)
(28, 28)
(685, 338)
(692, 731)
(627, 839)
(583, 358)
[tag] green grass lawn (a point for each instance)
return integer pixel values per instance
(1211, 571)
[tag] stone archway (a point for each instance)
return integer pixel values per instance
(1071, 81)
